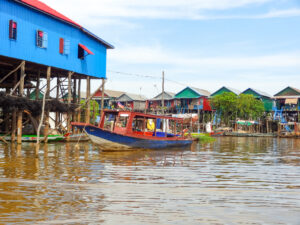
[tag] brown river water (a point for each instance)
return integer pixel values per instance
(229, 181)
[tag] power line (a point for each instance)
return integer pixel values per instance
(145, 76)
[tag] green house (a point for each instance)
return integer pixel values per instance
(225, 90)
(288, 98)
(263, 96)
(191, 99)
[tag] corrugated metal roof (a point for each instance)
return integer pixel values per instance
(295, 89)
(167, 96)
(237, 92)
(201, 91)
(42, 7)
(114, 94)
(134, 97)
(261, 93)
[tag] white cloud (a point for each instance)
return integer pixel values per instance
(156, 55)
(103, 11)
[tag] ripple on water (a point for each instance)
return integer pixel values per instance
(229, 181)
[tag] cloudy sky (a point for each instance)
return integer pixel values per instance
(200, 43)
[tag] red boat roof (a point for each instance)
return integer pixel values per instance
(145, 115)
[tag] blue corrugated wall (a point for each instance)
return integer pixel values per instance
(29, 21)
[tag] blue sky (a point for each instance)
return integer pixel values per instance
(200, 43)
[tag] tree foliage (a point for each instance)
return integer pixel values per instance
(231, 106)
(95, 109)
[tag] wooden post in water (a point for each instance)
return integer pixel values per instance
(19, 114)
(57, 98)
(69, 103)
(74, 101)
(14, 114)
(88, 106)
(79, 99)
(47, 93)
(102, 97)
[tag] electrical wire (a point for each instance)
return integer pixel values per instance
(146, 76)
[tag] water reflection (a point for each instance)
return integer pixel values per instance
(229, 181)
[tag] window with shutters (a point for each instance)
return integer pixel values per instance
(12, 30)
(64, 46)
(61, 46)
(67, 47)
(41, 39)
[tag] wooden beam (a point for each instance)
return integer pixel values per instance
(79, 99)
(57, 98)
(47, 94)
(37, 88)
(102, 97)
(74, 101)
(69, 103)
(14, 115)
(19, 114)
(88, 106)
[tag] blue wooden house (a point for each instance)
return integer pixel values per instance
(34, 32)
(38, 42)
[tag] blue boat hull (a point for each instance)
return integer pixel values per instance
(112, 141)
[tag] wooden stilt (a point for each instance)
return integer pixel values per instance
(19, 114)
(37, 88)
(69, 103)
(74, 101)
(14, 115)
(47, 93)
(88, 105)
(57, 98)
(102, 97)
(79, 98)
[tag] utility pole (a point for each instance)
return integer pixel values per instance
(163, 90)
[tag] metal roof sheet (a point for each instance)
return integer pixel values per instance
(201, 91)
(261, 93)
(167, 96)
(134, 97)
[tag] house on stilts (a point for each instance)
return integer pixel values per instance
(44, 52)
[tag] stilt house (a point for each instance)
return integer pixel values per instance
(155, 104)
(191, 99)
(37, 42)
(263, 96)
(132, 102)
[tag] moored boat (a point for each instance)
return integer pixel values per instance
(125, 130)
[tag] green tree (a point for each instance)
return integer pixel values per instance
(249, 107)
(95, 110)
(243, 106)
(226, 103)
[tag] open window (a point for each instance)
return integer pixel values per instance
(12, 30)
(83, 51)
(41, 39)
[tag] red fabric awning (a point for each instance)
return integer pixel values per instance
(86, 49)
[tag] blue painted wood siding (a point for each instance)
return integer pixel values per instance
(29, 21)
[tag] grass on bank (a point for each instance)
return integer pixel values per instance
(203, 137)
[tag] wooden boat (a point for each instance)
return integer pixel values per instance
(124, 130)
